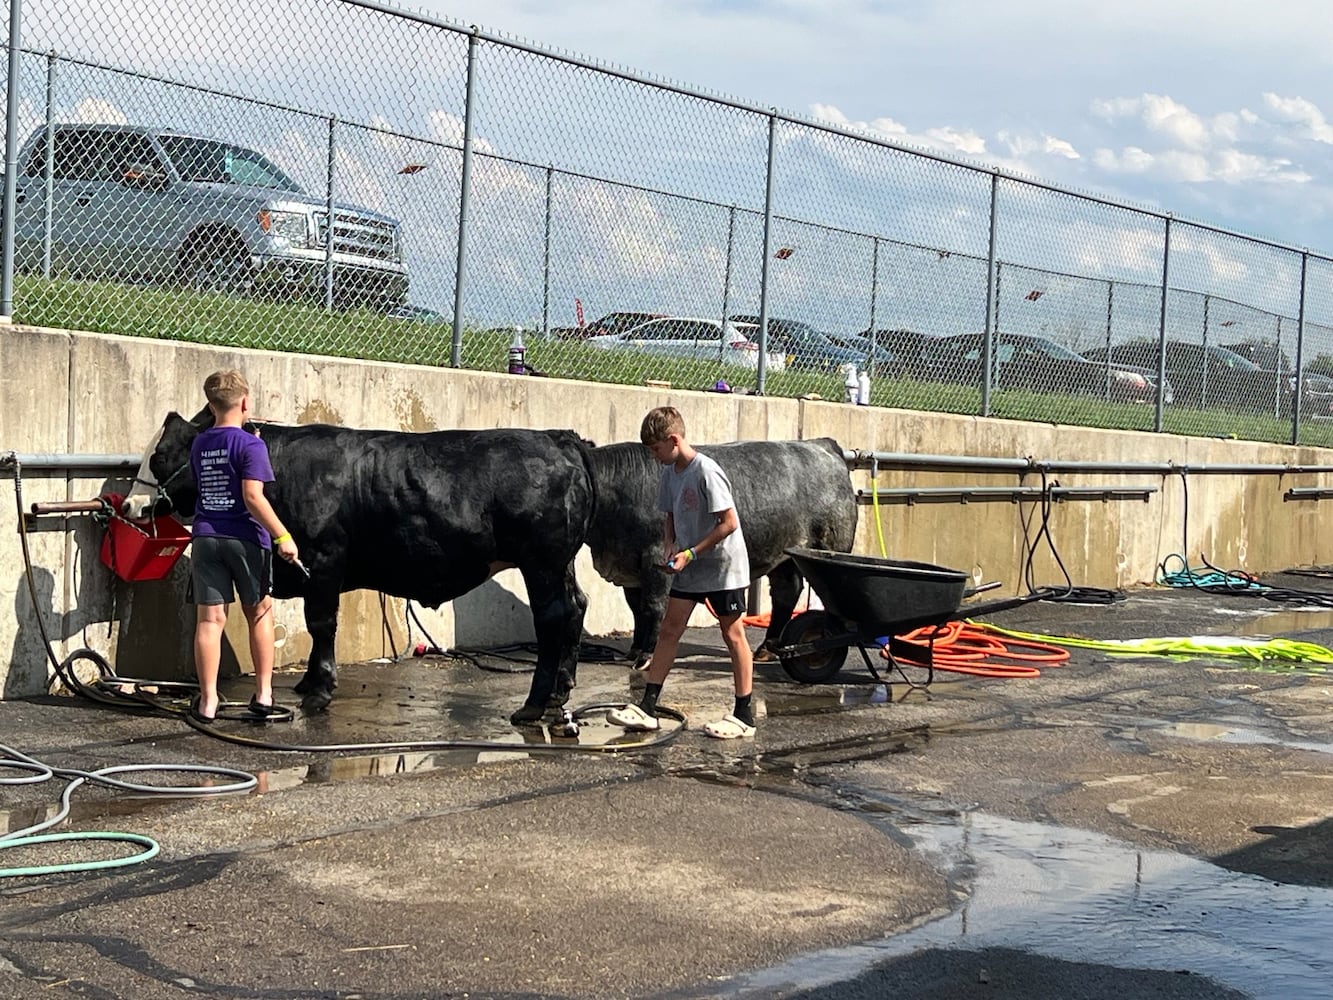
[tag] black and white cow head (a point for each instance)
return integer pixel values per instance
(165, 482)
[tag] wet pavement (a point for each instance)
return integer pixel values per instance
(1121, 826)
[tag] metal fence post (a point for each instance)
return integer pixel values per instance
(1161, 323)
(464, 201)
(546, 261)
(49, 169)
(874, 302)
(992, 297)
(1300, 354)
(762, 371)
(726, 281)
(331, 221)
(1207, 304)
(1110, 306)
(11, 163)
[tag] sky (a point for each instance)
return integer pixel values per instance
(1211, 110)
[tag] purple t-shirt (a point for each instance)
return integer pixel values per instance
(221, 457)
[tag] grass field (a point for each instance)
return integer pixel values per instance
(170, 314)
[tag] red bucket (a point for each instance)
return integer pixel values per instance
(139, 551)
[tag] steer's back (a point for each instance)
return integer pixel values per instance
(788, 493)
(432, 515)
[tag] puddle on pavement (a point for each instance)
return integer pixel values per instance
(1226, 733)
(594, 735)
(1276, 623)
(1080, 896)
(821, 700)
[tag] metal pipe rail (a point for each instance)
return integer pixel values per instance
(1011, 494)
(982, 463)
(54, 462)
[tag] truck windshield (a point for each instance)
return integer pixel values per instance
(213, 162)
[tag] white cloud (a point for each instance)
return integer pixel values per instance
(1232, 147)
(940, 138)
(1021, 145)
(1299, 111)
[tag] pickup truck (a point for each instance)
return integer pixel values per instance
(140, 204)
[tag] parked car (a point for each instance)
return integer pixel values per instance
(1316, 395)
(141, 204)
(611, 323)
(886, 363)
(908, 347)
(1039, 365)
(804, 347)
(683, 337)
(1316, 389)
(421, 314)
(1208, 376)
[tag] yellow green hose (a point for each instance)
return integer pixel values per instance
(1276, 655)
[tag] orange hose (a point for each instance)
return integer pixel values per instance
(962, 648)
(965, 648)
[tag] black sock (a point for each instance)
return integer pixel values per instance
(743, 711)
(651, 692)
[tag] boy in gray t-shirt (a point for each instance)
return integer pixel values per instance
(705, 550)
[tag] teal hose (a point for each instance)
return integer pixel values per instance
(150, 845)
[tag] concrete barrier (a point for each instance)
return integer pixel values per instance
(74, 393)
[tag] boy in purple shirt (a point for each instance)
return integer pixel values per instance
(234, 525)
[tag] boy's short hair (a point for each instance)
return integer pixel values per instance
(660, 424)
(224, 389)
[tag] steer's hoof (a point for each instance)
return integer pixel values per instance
(638, 659)
(315, 682)
(316, 701)
(528, 714)
(764, 655)
(558, 699)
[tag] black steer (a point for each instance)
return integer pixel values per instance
(787, 493)
(425, 517)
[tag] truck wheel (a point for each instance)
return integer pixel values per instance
(219, 268)
(817, 666)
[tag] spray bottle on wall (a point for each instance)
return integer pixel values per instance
(516, 352)
(851, 385)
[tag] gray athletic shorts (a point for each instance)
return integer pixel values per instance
(219, 564)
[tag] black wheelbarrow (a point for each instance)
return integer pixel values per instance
(872, 601)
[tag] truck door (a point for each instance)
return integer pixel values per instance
(133, 210)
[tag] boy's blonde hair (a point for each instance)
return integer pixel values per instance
(225, 389)
(660, 424)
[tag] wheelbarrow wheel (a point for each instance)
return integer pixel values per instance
(819, 665)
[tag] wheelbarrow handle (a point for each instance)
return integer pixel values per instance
(974, 591)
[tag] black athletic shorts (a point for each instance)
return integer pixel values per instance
(724, 603)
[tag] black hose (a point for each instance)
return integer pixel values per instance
(1069, 594)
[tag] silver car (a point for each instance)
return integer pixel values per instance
(684, 337)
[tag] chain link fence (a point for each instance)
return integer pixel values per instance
(345, 178)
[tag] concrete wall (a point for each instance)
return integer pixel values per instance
(66, 392)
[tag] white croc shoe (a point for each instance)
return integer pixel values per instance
(634, 718)
(728, 728)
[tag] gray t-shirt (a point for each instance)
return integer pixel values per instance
(694, 498)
